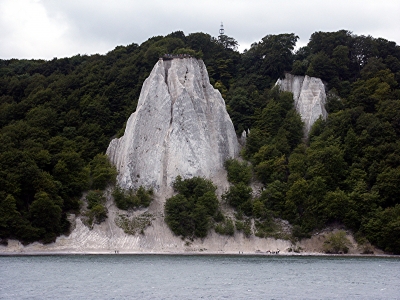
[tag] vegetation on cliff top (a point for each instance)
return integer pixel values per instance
(57, 118)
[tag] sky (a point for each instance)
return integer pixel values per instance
(44, 29)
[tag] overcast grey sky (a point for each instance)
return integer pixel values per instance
(63, 28)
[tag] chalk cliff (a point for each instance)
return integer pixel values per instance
(180, 127)
(309, 97)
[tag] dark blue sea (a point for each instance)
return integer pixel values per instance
(198, 277)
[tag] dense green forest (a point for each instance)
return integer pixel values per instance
(57, 118)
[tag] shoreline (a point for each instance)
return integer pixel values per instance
(107, 239)
(258, 254)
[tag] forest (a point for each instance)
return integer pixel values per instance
(57, 118)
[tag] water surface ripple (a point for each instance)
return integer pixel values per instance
(198, 277)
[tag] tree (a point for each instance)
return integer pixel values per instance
(201, 220)
(238, 171)
(228, 42)
(255, 140)
(293, 125)
(238, 196)
(382, 229)
(269, 58)
(336, 203)
(388, 186)
(10, 218)
(70, 170)
(363, 48)
(241, 109)
(298, 163)
(190, 212)
(178, 215)
(340, 57)
(296, 197)
(210, 202)
(328, 163)
(46, 215)
(328, 41)
(259, 210)
(322, 67)
(271, 170)
(271, 118)
(373, 66)
(102, 172)
(274, 195)
(277, 53)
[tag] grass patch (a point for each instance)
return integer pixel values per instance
(226, 227)
(134, 225)
(269, 228)
(244, 226)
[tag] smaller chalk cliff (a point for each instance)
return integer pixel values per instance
(309, 97)
(180, 127)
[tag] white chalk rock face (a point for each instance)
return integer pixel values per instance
(180, 127)
(309, 97)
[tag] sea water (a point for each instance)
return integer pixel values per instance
(198, 277)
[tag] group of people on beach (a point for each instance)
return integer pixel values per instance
(267, 252)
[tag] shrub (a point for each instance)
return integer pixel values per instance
(97, 212)
(102, 172)
(144, 196)
(336, 243)
(225, 228)
(244, 226)
(196, 186)
(132, 199)
(270, 228)
(219, 217)
(259, 210)
(95, 197)
(265, 228)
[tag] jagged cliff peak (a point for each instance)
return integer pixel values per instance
(309, 97)
(180, 127)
